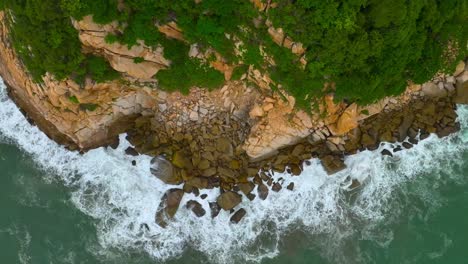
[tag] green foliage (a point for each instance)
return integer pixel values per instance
(111, 38)
(186, 72)
(369, 48)
(138, 60)
(73, 99)
(100, 69)
(89, 107)
(46, 41)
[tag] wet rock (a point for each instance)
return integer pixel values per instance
(196, 208)
(251, 196)
(397, 149)
(462, 89)
(332, 164)
(386, 152)
(235, 218)
(290, 186)
(368, 141)
(134, 162)
(404, 126)
(115, 143)
(131, 151)
(407, 145)
(413, 141)
(215, 209)
(295, 169)
(229, 200)
(203, 196)
(246, 188)
(276, 187)
(168, 206)
(163, 170)
(262, 190)
(447, 131)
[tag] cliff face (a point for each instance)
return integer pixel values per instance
(94, 114)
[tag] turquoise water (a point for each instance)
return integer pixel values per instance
(62, 207)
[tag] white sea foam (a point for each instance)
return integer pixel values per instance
(122, 198)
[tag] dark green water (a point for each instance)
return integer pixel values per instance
(60, 207)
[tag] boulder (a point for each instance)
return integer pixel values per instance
(237, 216)
(163, 170)
(246, 188)
(131, 151)
(462, 89)
(276, 187)
(430, 89)
(332, 164)
(262, 190)
(196, 208)
(404, 126)
(215, 209)
(386, 152)
(290, 186)
(168, 206)
(229, 200)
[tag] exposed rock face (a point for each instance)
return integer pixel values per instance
(229, 200)
(119, 55)
(220, 138)
(168, 207)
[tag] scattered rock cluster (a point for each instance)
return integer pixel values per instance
(208, 154)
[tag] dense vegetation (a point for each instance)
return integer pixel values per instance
(46, 42)
(369, 48)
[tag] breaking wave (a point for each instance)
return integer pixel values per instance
(123, 198)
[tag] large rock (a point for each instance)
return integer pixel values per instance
(462, 89)
(163, 170)
(120, 57)
(237, 216)
(168, 207)
(229, 200)
(196, 208)
(332, 164)
(432, 90)
(347, 121)
(262, 190)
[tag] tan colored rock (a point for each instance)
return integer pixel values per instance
(256, 111)
(171, 30)
(460, 68)
(346, 122)
(119, 55)
(462, 88)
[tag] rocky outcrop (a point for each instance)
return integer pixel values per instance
(121, 58)
(221, 138)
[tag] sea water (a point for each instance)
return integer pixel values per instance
(58, 206)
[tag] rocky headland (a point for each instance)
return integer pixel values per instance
(233, 138)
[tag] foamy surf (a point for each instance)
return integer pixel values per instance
(123, 198)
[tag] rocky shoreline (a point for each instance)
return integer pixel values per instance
(232, 138)
(209, 158)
